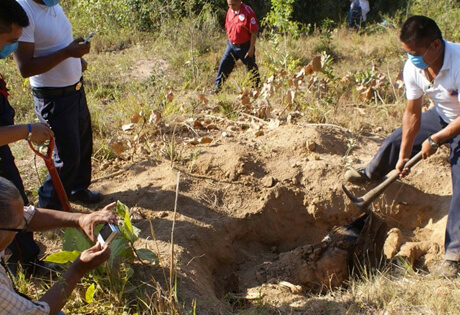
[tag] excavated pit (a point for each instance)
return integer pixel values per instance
(244, 207)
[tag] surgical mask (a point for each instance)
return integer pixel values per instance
(418, 61)
(8, 50)
(51, 3)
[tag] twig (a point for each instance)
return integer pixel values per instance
(172, 233)
(326, 125)
(254, 117)
(112, 174)
(209, 177)
(191, 129)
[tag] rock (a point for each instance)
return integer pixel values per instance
(310, 145)
(412, 251)
(392, 243)
(268, 181)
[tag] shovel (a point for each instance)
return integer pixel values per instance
(54, 174)
(362, 203)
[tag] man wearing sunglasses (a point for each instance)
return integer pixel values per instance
(432, 69)
(15, 218)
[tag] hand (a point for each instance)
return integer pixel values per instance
(84, 65)
(87, 222)
(427, 149)
(40, 133)
(402, 171)
(91, 258)
(77, 49)
(250, 53)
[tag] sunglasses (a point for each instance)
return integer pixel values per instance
(24, 229)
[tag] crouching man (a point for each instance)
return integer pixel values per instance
(15, 218)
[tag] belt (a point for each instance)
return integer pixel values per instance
(44, 92)
(241, 45)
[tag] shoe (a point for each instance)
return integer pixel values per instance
(86, 196)
(214, 91)
(448, 269)
(356, 176)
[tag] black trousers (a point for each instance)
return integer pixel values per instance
(24, 249)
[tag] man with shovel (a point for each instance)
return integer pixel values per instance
(432, 68)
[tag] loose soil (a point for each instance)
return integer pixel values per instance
(248, 202)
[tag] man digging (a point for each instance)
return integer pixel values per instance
(432, 68)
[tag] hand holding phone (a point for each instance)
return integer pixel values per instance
(107, 233)
(88, 38)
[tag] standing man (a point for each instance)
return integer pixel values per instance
(49, 55)
(242, 28)
(432, 68)
(23, 248)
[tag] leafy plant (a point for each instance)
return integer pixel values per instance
(74, 242)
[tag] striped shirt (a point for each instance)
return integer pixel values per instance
(11, 303)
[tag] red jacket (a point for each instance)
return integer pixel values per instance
(241, 25)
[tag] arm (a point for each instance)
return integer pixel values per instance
(452, 130)
(45, 219)
(410, 128)
(252, 46)
(57, 295)
(40, 133)
(29, 65)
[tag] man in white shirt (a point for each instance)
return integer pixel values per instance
(15, 219)
(433, 69)
(52, 59)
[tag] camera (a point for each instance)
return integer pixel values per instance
(107, 233)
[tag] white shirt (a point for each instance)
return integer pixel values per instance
(50, 31)
(365, 8)
(444, 91)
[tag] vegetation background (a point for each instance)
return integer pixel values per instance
(184, 41)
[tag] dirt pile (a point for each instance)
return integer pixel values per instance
(250, 206)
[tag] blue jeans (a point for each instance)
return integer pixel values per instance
(354, 18)
(231, 55)
(387, 156)
(70, 120)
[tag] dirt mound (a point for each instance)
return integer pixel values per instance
(247, 205)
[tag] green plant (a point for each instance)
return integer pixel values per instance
(282, 29)
(118, 269)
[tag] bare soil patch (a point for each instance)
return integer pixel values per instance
(249, 205)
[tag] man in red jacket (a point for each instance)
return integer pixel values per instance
(241, 25)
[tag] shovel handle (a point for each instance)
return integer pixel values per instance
(58, 187)
(49, 153)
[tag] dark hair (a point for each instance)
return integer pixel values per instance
(8, 194)
(11, 13)
(421, 30)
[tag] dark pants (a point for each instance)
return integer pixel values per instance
(232, 54)
(24, 249)
(387, 156)
(355, 18)
(70, 121)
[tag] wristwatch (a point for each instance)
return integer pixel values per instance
(433, 143)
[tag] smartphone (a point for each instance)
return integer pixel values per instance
(87, 39)
(107, 233)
